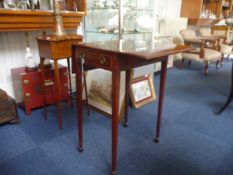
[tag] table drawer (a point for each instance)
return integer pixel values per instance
(96, 59)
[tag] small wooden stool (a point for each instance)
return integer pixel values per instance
(56, 48)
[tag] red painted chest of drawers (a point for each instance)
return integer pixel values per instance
(28, 88)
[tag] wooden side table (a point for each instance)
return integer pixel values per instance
(117, 56)
(56, 48)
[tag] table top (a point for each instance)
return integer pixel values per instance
(140, 49)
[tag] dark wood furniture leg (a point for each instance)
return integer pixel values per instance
(69, 78)
(57, 85)
(230, 97)
(222, 60)
(43, 86)
(16, 120)
(115, 112)
(217, 64)
(163, 77)
(85, 86)
(189, 63)
(127, 86)
(78, 69)
(206, 68)
(182, 63)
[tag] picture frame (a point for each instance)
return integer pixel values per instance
(142, 91)
(99, 91)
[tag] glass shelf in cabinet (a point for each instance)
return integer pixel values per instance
(124, 33)
(108, 9)
(116, 9)
(138, 9)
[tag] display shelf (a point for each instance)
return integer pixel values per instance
(203, 22)
(125, 33)
(213, 11)
(27, 20)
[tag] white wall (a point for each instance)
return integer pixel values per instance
(168, 8)
(12, 53)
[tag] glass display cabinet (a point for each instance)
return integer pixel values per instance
(119, 19)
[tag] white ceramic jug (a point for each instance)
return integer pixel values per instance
(45, 5)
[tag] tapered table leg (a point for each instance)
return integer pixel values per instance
(78, 68)
(85, 86)
(69, 78)
(43, 86)
(115, 112)
(57, 85)
(230, 97)
(127, 86)
(161, 97)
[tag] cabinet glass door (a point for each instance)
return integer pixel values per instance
(113, 19)
(138, 19)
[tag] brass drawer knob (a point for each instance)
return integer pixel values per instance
(82, 56)
(102, 60)
(65, 74)
(25, 82)
(65, 85)
(27, 95)
(48, 83)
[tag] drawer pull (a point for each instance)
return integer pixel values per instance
(65, 85)
(65, 74)
(102, 60)
(27, 95)
(48, 83)
(82, 56)
(25, 82)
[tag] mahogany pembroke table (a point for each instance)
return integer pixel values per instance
(116, 56)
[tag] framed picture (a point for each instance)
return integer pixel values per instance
(99, 90)
(142, 91)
